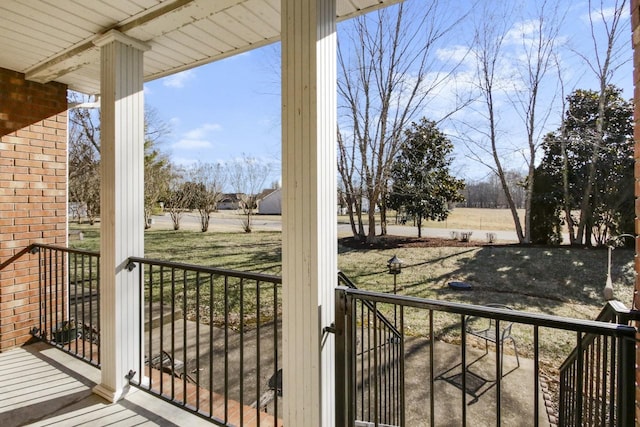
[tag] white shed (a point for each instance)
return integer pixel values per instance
(271, 204)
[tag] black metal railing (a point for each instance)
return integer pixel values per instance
(377, 359)
(69, 300)
(593, 387)
(455, 383)
(212, 340)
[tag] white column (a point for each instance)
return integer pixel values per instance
(121, 208)
(309, 247)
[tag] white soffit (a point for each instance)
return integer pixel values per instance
(53, 40)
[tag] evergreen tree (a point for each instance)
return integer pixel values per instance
(609, 210)
(422, 184)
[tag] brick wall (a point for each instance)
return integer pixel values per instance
(33, 193)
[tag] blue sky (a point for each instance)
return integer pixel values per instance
(221, 110)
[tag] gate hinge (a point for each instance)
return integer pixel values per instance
(331, 329)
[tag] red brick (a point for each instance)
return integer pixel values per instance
(32, 192)
(6, 244)
(14, 303)
(53, 165)
(25, 308)
(18, 184)
(29, 235)
(14, 154)
(43, 143)
(15, 229)
(26, 206)
(5, 146)
(43, 227)
(29, 163)
(27, 221)
(26, 177)
(42, 185)
(28, 192)
(29, 134)
(42, 199)
(27, 148)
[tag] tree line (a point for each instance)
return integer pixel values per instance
(197, 187)
(415, 80)
(392, 69)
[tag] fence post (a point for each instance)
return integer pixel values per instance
(342, 360)
(626, 380)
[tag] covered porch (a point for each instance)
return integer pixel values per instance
(110, 49)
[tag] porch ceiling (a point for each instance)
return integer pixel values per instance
(52, 40)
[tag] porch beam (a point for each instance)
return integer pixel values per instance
(309, 246)
(121, 208)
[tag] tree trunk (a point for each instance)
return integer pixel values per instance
(352, 222)
(565, 185)
(371, 236)
(383, 216)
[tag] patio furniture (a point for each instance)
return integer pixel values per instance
(485, 329)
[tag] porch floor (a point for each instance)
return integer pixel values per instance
(41, 385)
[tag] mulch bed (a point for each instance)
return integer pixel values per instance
(393, 242)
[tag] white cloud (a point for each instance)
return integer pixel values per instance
(197, 138)
(184, 161)
(455, 54)
(179, 80)
(191, 144)
(604, 14)
(202, 131)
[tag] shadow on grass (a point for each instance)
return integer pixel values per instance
(524, 277)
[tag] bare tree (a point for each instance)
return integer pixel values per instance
(491, 33)
(564, 138)
(514, 60)
(179, 197)
(539, 42)
(388, 68)
(209, 180)
(605, 60)
(247, 177)
(157, 175)
(84, 178)
(84, 159)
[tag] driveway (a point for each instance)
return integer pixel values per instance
(231, 221)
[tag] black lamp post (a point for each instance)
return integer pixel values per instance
(395, 268)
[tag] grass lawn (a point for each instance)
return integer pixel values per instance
(561, 281)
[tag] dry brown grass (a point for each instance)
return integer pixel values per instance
(465, 219)
(478, 219)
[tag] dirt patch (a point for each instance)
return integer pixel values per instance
(393, 242)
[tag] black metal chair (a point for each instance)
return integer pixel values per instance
(485, 329)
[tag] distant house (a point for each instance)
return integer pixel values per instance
(230, 201)
(271, 203)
